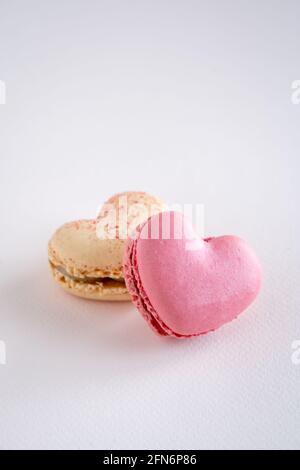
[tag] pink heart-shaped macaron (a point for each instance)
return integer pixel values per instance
(184, 285)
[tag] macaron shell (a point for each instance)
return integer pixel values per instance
(185, 291)
(83, 252)
(77, 248)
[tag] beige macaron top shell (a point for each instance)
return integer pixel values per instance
(76, 247)
(94, 248)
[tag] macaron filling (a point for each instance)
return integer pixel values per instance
(108, 281)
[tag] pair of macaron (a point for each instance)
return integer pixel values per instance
(137, 250)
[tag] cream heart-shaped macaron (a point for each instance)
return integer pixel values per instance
(184, 285)
(85, 256)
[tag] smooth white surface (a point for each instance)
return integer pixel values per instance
(190, 101)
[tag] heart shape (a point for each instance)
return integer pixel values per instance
(185, 285)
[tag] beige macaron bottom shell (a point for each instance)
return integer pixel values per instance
(107, 291)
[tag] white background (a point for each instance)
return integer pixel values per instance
(191, 101)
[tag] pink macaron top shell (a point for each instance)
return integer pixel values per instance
(184, 285)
